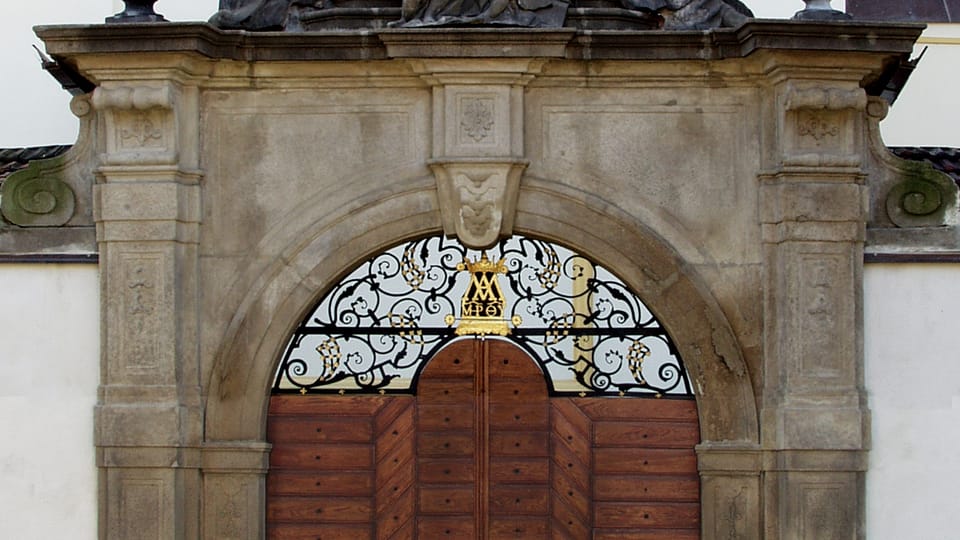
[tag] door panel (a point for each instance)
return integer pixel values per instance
(482, 451)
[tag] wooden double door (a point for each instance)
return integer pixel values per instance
(482, 451)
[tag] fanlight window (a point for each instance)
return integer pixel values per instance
(376, 329)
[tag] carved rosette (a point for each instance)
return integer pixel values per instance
(478, 199)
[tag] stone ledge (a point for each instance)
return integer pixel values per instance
(64, 41)
(236, 457)
(915, 244)
(58, 244)
(476, 43)
(161, 457)
(725, 459)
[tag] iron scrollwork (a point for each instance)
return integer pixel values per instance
(377, 328)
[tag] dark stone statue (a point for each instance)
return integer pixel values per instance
(260, 14)
(523, 13)
(298, 15)
(695, 14)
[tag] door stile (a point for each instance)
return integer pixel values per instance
(482, 435)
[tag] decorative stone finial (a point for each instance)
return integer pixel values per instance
(137, 11)
(819, 10)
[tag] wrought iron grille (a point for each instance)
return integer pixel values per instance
(375, 331)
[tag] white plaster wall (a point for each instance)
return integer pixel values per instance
(913, 379)
(926, 113)
(49, 369)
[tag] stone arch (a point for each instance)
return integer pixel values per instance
(239, 386)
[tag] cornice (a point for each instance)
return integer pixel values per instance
(203, 40)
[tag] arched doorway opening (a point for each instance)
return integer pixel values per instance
(584, 425)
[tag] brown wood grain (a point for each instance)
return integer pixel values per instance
(443, 391)
(520, 443)
(669, 461)
(482, 451)
(446, 527)
(646, 488)
(446, 471)
(325, 405)
(522, 416)
(398, 433)
(646, 515)
(445, 417)
(397, 517)
(459, 499)
(509, 470)
(445, 443)
(646, 434)
(322, 457)
(300, 531)
(321, 509)
(517, 527)
(635, 407)
(319, 430)
(520, 500)
(320, 483)
(647, 534)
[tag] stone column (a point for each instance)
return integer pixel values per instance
(813, 212)
(147, 211)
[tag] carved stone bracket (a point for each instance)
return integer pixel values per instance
(140, 123)
(37, 196)
(904, 193)
(478, 198)
(818, 126)
(56, 191)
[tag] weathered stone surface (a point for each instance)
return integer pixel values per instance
(721, 175)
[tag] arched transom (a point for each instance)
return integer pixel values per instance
(374, 331)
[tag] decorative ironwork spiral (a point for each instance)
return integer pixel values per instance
(374, 331)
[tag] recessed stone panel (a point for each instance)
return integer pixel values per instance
(265, 159)
(678, 163)
(477, 121)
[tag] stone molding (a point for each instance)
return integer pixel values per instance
(833, 99)
(475, 43)
(204, 41)
(134, 97)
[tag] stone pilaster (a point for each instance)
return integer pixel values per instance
(730, 490)
(813, 212)
(147, 211)
(234, 481)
